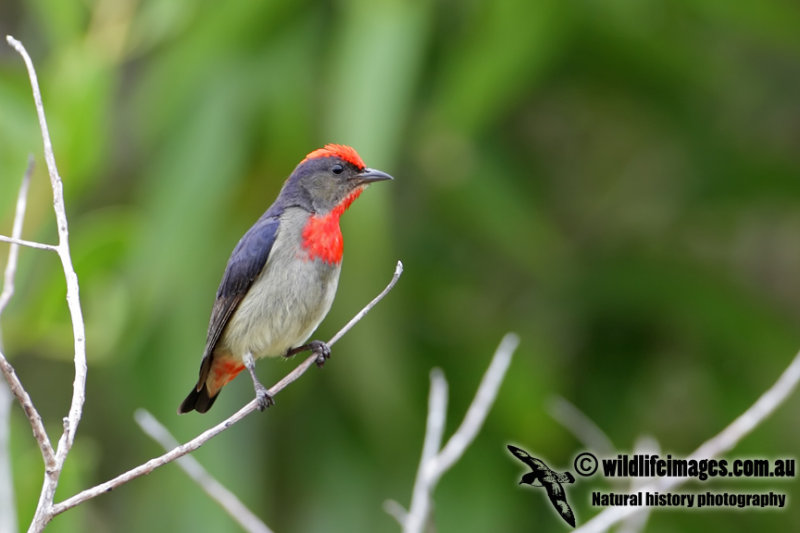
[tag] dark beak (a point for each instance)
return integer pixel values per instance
(368, 175)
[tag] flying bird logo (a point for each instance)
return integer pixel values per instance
(542, 476)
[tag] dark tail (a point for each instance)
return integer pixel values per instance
(197, 400)
(201, 398)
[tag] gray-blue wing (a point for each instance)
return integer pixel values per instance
(244, 265)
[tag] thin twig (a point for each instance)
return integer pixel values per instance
(723, 442)
(204, 437)
(16, 232)
(432, 443)
(637, 522)
(73, 298)
(434, 464)
(8, 515)
(8, 518)
(396, 511)
(29, 244)
(581, 426)
(398, 270)
(14, 384)
(43, 513)
(479, 409)
(35, 419)
(215, 490)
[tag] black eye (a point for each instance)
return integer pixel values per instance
(337, 169)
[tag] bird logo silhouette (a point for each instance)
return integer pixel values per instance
(542, 476)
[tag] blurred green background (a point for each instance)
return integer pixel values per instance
(617, 181)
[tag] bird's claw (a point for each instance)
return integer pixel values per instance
(321, 350)
(263, 398)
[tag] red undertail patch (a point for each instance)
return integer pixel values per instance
(322, 237)
(222, 372)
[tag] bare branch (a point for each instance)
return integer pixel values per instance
(434, 464)
(204, 437)
(34, 418)
(8, 518)
(73, 298)
(14, 384)
(29, 244)
(437, 416)
(755, 415)
(581, 426)
(396, 511)
(16, 232)
(43, 512)
(714, 447)
(479, 409)
(434, 428)
(215, 490)
(156, 462)
(636, 523)
(398, 270)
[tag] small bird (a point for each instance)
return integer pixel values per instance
(542, 476)
(281, 277)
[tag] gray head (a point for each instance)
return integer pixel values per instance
(328, 178)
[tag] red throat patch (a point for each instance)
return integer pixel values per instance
(322, 237)
(345, 153)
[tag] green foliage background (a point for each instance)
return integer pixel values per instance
(617, 181)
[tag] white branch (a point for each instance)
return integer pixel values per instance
(398, 270)
(16, 232)
(433, 463)
(8, 515)
(484, 399)
(637, 522)
(73, 297)
(714, 447)
(14, 384)
(8, 518)
(43, 512)
(29, 244)
(215, 490)
(434, 428)
(593, 438)
(396, 511)
(581, 426)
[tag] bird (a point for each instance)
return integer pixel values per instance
(281, 278)
(542, 476)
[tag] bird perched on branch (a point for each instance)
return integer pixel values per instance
(281, 278)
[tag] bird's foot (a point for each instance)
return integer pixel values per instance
(263, 397)
(318, 348)
(321, 350)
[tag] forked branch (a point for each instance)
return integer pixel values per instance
(436, 460)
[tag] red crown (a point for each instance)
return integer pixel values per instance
(345, 153)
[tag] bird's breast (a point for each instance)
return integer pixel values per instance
(289, 298)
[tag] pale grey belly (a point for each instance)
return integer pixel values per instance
(282, 308)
